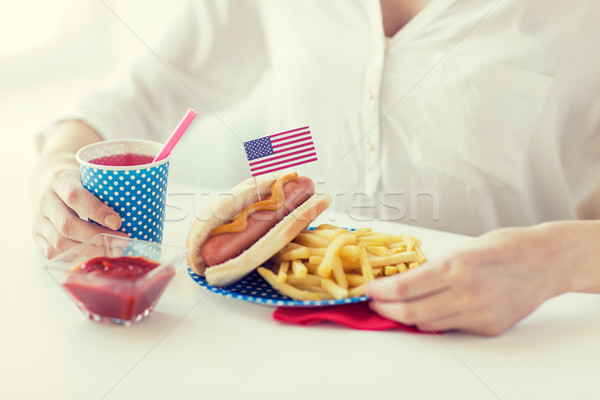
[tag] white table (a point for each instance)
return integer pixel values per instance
(197, 344)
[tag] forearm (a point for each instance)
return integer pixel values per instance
(66, 138)
(57, 149)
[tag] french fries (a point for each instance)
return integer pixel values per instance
(333, 263)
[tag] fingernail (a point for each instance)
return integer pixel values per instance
(368, 289)
(113, 222)
(371, 287)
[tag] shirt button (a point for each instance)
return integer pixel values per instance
(370, 96)
(369, 147)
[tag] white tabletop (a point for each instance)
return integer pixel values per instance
(197, 344)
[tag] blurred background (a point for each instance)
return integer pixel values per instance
(52, 51)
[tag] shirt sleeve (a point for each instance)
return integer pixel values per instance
(209, 59)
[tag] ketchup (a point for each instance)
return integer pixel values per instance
(116, 287)
(123, 160)
(117, 267)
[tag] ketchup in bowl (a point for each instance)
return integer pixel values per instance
(122, 289)
(115, 279)
(123, 160)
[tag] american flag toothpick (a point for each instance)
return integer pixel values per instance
(279, 151)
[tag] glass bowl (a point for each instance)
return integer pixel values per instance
(116, 280)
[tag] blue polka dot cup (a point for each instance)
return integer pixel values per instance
(136, 192)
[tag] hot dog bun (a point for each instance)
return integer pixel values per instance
(228, 205)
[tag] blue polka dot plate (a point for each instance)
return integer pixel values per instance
(255, 289)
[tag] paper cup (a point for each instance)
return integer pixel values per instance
(137, 193)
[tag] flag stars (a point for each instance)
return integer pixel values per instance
(258, 148)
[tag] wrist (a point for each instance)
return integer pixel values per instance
(66, 137)
(576, 255)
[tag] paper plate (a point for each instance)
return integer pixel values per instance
(255, 289)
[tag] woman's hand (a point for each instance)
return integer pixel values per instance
(494, 281)
(59, 199)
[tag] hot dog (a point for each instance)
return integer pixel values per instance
(238, 232)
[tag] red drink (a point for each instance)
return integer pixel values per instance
(123, 160)
(116, 287)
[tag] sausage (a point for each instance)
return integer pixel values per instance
(225, 246)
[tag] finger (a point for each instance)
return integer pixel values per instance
(410, 285)
(456, 320)
(58, 242)
(478, 321)
(460, 322)
(413, 313)
(45, 247)
(49, 251)
(442, 324)
(67, 222)
(428, 308)
(69, 189)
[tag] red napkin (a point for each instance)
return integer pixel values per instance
(356, 316)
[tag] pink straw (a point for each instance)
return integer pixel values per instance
(176, 135)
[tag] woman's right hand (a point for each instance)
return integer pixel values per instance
(59, 199)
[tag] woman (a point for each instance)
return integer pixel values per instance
(485, 114)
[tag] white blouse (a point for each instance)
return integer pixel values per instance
(477, 114)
